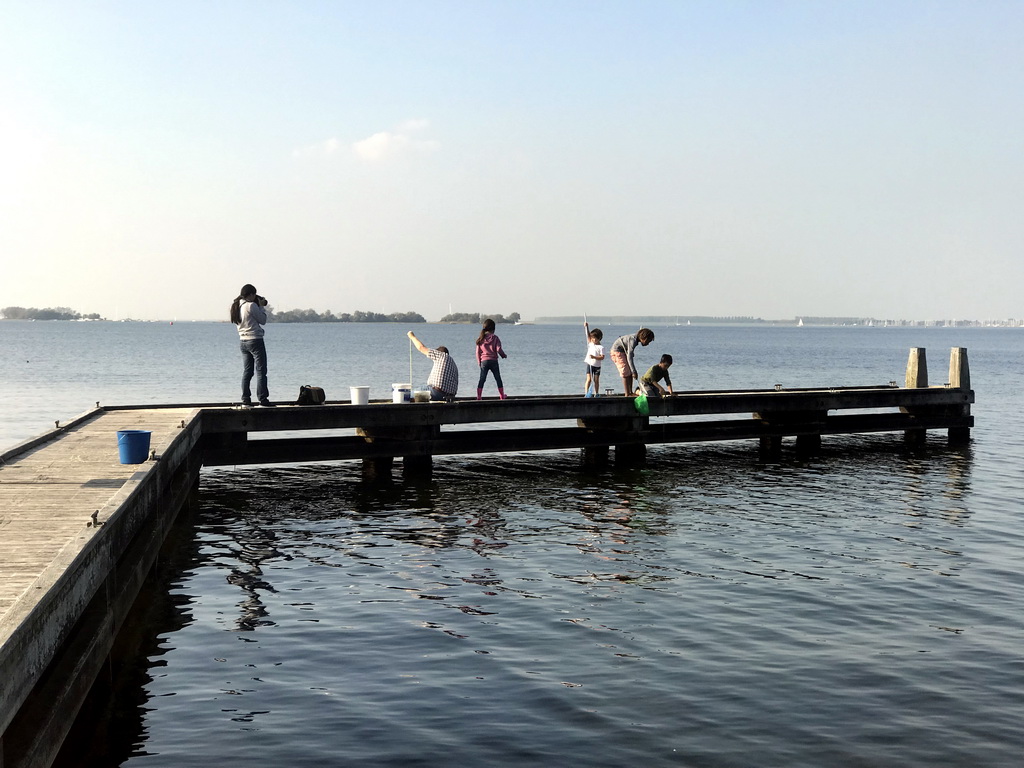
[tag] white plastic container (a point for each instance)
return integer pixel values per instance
(359, 395)
(401, 393)
(421, 396)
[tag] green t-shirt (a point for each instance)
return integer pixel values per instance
(655, 374)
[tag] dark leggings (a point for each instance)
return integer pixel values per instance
(492, 366)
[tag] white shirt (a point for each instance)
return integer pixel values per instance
(253, 317)
(592, 351)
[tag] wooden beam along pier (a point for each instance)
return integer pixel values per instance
(414, 431)
(81, 531)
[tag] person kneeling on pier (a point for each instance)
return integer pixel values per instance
(656, 373)
(444, 376)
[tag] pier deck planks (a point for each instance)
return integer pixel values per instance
(49, 493)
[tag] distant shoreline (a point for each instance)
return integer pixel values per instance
(598, 321)
(609, 320)
(804, 321)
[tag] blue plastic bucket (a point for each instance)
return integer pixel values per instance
(133, 445)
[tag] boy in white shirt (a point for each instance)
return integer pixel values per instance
(595, 354)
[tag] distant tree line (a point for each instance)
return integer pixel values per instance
(312, 316)
(641, 320)
(476, 317)
(50, 313)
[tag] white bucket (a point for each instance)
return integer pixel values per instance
(401, 393)
(359, 395)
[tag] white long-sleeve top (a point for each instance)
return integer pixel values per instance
(254, 317)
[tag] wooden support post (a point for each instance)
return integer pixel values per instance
(626, 453)
(769, 447)
(630, 455)
(595, 457)
(378, 469)
(806, 426)
(960, 378)
(959, 370)
(808, 444)
(417, 466)
(412, 443)
(917, 369)
(917, 378)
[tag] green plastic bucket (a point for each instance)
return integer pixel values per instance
(133, 445)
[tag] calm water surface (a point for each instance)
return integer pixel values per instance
(862, 608)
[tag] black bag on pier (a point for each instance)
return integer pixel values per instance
(311, 395)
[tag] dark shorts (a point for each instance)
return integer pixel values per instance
(594, 370)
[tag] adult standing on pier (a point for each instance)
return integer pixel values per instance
(622, 353)
(249, 313)
(444, 376)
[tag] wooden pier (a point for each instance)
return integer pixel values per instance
(80, 531)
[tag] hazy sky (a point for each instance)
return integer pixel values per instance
(710, 157)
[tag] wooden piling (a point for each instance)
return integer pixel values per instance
(809, 444)
(917, 378)
(414, 466)
(410, 442)
(624, 432)
(959, 378)
(959, 370)
(917, 369)
(769, 447)
(378, 469)
(630, 455)
(594, 457)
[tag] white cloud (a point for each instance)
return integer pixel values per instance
(379, 146)
(320, 149)
(387, 144)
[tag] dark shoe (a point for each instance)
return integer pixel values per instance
(246, 404)
(266, 404)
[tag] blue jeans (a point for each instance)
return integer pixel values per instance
(438, 395)
(492, 366)
(254, 360)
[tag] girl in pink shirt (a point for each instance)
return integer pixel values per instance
(488, 350)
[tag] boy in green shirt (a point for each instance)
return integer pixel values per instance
(656, 373)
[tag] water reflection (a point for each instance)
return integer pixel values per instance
(111, 727)
(706, 571)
